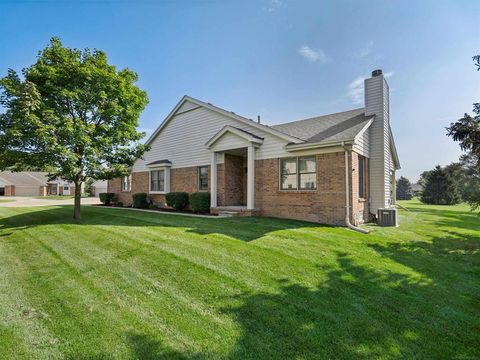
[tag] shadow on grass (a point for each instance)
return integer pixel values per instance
(241, 228)
(356, 313)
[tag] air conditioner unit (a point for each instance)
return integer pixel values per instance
(387, 217)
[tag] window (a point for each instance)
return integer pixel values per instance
(157, 180)
(361, 177)
(298, 173)
(203, 178)
(66, 188)
(127, 183)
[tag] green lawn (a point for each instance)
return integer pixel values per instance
(125, 284)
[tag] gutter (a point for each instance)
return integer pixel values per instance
(308, 146)
(347, 197)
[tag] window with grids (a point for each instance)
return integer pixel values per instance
(157, 180)
(127, 183)
(203, 178)
(298, 173)
(362, 190)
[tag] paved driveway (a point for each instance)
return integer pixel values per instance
(26, 201)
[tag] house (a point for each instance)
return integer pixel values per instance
(333, 169)
(32, 183)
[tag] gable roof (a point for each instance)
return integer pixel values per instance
(246, 135)
(229, 114)
(342, 126)
(24, 178)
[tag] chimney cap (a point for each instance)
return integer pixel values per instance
(377, 72)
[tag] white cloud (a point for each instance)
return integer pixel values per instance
(356, 88)
(273, 5)
(366, 50)
(312, 55)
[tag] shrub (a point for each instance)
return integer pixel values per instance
(200, 202)
(177, 200)
(140, 200)
(152, 206)
(107, 198)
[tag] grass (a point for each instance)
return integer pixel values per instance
(123, 284)
(6, 200)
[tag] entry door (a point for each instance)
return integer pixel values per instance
(66, 190)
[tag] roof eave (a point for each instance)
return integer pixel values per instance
(317, 145)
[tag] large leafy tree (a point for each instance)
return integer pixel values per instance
(72, 113)
(440, 188)
(467, 132)
(404, 189)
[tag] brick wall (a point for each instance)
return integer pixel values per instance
(9, 190)
(233, 180)
(326, 204)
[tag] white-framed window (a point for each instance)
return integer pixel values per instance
(298, 173)
(157, 180)
(127, 183)
(203, 178)
(66, 188)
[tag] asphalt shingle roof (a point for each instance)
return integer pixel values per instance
(339, 126)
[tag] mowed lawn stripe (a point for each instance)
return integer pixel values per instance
(143, 285)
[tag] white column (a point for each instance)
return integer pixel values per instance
(213, 180)
(251, 177)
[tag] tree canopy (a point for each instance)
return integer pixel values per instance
(72, 113)
(467, 132)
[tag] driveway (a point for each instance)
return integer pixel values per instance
(26, 201)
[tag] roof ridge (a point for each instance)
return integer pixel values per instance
(316, 117)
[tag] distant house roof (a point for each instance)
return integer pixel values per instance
(24, 178)
(334, 127)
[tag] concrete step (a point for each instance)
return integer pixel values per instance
(228, 213)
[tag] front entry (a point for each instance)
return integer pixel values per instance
(235, 176)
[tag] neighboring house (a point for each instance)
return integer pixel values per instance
(99, 186)
(295, 170)
(32, 183)
(417, 189)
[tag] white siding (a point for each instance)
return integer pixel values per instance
(377, 103)
(183, 139)
(362, 144)
(230, 141)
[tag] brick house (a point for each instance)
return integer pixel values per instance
(325, 169)
(32, 183)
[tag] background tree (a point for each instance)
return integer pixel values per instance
(467, 132)
(404, 189)
(73, 113)
(440, 188)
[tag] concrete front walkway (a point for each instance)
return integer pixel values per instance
(26, 201)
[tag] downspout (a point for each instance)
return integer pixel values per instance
(347, 196)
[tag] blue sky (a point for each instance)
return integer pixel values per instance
(284, 60)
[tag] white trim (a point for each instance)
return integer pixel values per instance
(251, 177)
(223, 112)
(166, 180)
(213, 180)
(361, 132)
(307, 146)
(227, 128)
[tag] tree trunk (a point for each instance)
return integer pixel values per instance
(78, 197)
